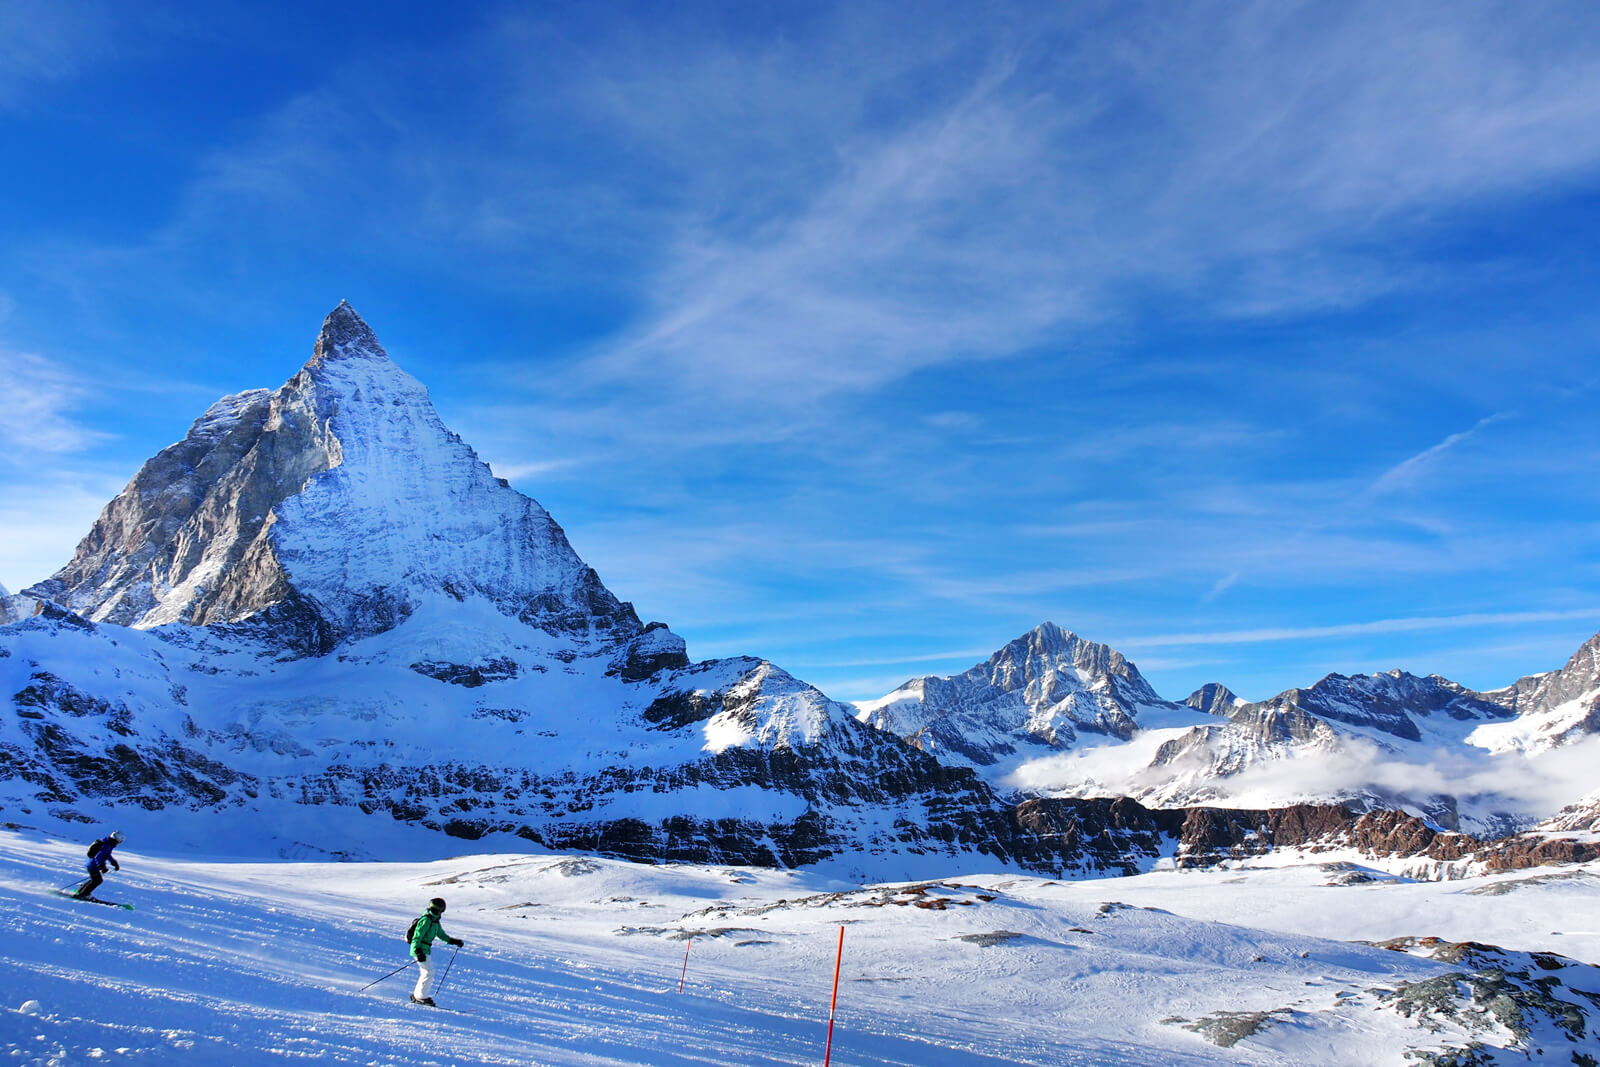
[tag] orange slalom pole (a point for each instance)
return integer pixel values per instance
(685, 973)
(827, 1053)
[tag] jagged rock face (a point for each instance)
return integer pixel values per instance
(1253, 733)
(1552, 709)
(1040, 691)
(1109, 834)
(1385, 708)
(1391, 703)
(1213, 698)
(326, 510)
(185, 541)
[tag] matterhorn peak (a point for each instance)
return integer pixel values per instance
(344, 334)
(331, 509)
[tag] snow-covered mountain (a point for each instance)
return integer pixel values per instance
(1039, 694)
(1055, 715)
(1552, 709)
(320, 619)
(329, 510)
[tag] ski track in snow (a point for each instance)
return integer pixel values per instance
(572, 960)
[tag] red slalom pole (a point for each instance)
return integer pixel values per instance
(827, 1054)
(685, 973)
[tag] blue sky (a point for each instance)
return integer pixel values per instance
(1257, 340)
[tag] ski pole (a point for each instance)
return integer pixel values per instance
(391, 974)
(73, 886)
(685, 973)
(453, 950)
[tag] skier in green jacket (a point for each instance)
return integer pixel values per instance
(426, 929)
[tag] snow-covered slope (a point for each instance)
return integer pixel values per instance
(570, 960)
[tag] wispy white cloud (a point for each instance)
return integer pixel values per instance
(36, 414)
(1223, 584)
(990, 221)
(1485, 784)
(1409, 472)
(794, 220)
(533, 468)
(1377, 626)
(42, 41)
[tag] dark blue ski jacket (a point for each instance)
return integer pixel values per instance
(102, 856)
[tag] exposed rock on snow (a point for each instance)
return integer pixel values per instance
(1540, 999)
(1213, 698)
(1582, 816)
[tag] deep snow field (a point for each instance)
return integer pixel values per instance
(574, 960)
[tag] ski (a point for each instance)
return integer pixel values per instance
(93, 900)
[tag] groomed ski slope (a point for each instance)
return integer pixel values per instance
(572, 960)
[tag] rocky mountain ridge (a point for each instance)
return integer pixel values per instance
(1367, 740)
(1044, 692)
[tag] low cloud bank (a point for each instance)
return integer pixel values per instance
(1484, 784)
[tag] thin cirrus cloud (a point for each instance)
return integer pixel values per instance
(43, 42)
(1049, 174)
(38, 412)
(1408, 473)
(1014, 211)
(1468, 620)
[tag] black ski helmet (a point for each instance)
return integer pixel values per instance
(437, 904)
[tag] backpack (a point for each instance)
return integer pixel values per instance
(92, 850)
(411, 931)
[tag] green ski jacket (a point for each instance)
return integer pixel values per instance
(427, 929)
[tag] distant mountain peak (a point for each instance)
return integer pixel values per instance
(345, 334)
(1036, 694)
(1213, 698)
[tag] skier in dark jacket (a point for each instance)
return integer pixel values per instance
(422, 936)
(99, 856)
